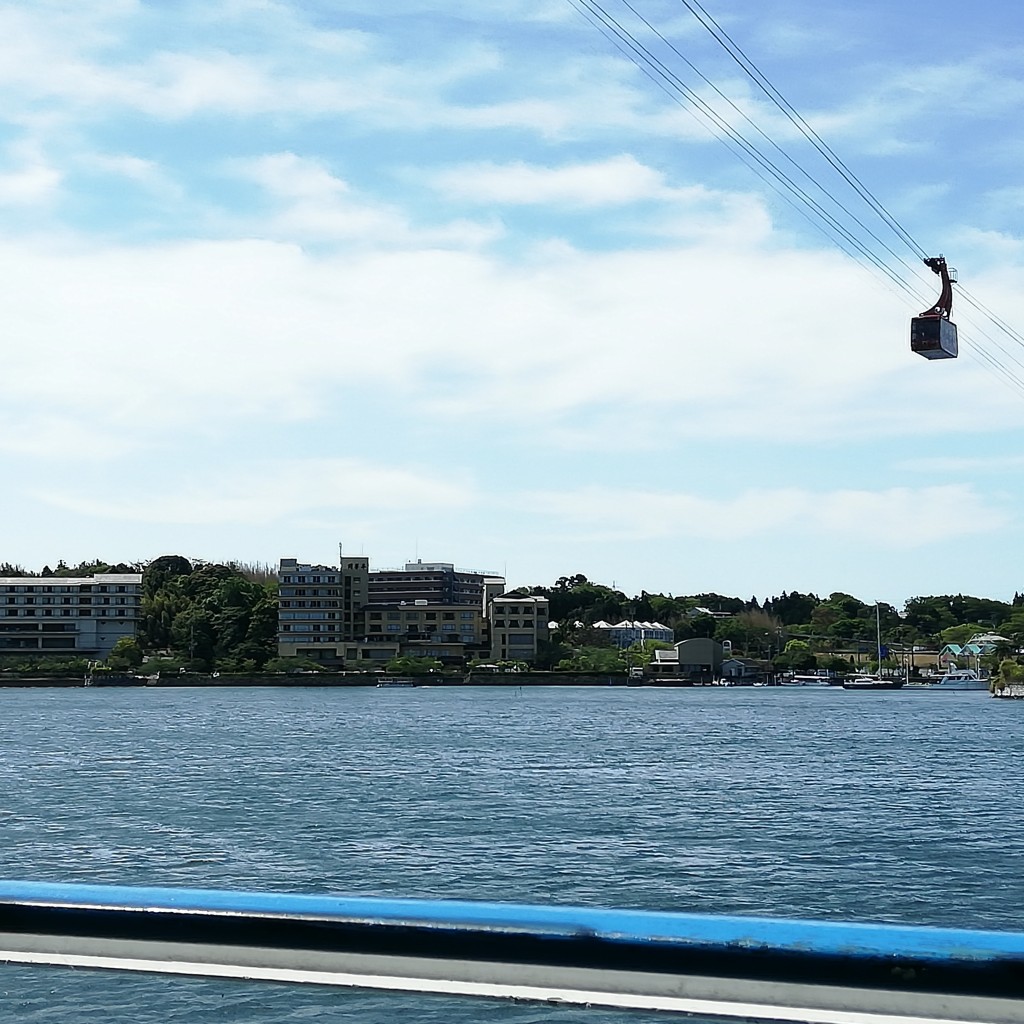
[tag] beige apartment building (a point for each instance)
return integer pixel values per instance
(518, 625)
(320, 607)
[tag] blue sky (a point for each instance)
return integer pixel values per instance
(455, 280)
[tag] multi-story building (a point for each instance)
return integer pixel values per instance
(79, 615)
(518, 625)
(436, 582)
(320, 607)
(348, 616)
(448, 632)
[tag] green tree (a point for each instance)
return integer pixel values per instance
(960, 634)
(793, 608)
(408, 665)
(594, 659)
(125, 654)
(703, 625)
(928, 615)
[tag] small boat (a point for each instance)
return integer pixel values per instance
(398, 682)
(872, 683)
(805, 681)
(958, 679)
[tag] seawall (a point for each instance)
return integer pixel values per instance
(329, 679)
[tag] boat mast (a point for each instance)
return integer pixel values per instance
(878, 634)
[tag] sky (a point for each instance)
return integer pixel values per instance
(458, 281)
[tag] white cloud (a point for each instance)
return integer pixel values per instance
(273, 491)
(313, 205)
(621, 179)
(27, 178)
(688, 341)
(895, 518)
(963, 464)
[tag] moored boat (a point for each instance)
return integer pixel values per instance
(959, 679)
(805, 681)
(872, 683)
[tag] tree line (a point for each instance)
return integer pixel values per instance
(204, 617)
(792, 630)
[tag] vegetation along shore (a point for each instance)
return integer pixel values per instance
(219, 622)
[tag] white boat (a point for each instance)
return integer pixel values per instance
(955, 679)
(871, 683)
(805, 681)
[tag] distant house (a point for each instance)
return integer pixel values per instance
(743, 669)
(961, 655)
(626, 633)
(698, 660)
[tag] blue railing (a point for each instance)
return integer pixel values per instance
(769, 969)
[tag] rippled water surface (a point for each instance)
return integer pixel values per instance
(877, 806)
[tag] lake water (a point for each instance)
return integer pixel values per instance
(899, 807)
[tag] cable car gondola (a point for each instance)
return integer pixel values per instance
(932, 334)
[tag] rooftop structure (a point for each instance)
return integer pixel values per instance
(436, 582)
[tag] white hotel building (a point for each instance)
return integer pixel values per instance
(82, 616)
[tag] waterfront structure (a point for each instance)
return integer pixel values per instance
(448, 632)
(347, 616)
(744, 669)
(68, 615)
(697, 660)
(626, 633)
(518, 626)
(320, 608)
(436, 582)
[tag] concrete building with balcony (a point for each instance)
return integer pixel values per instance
(348, 616)
(61, 615)
(448, 632)
(320, 608)
(518, 626)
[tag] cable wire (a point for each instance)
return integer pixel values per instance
(762, 82)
